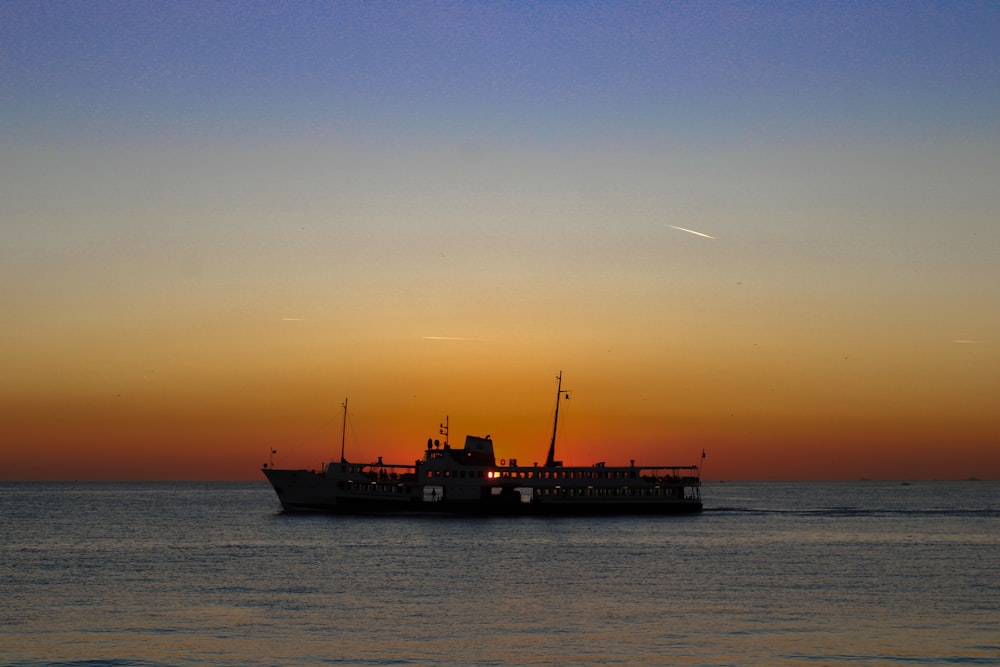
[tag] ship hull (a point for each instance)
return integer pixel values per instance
(307, 491)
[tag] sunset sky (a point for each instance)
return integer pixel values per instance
(218, 220)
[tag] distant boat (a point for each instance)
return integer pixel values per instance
(470, 480)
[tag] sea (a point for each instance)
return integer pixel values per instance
(846, 573)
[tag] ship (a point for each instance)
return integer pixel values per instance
(471, 480)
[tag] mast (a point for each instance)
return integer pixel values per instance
(343, 434)
(550, 460)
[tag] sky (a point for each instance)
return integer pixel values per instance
(768, 231)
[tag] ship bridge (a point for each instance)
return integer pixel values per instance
(476, 452)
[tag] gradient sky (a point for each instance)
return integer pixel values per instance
(220, 219)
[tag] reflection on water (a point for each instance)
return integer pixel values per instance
(768, 574)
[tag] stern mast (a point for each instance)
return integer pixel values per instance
(343, 434)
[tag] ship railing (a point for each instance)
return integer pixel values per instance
(660, 474)
(669, 473)
(377, 471)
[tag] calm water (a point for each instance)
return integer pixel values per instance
(777, 574)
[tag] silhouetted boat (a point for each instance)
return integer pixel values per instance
(470, 480)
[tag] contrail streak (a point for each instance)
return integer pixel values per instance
(691, 231)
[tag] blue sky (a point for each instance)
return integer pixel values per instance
(495, 71)
(298, 197)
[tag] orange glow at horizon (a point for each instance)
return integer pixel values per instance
(172, 434)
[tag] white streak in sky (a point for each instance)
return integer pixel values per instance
(446, 338)
(965, 341)
(292, 319)
(691, 231)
